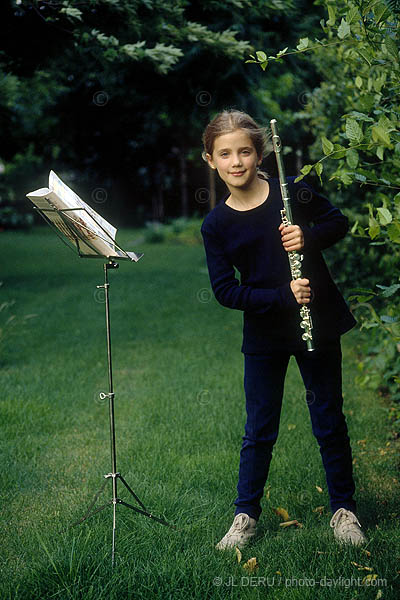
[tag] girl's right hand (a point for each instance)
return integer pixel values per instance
(301, 290)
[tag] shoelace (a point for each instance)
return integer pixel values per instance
(348, 517)
(240, 523)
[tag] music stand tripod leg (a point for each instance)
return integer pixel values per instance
(114, 475)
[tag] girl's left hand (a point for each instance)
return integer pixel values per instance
(292, 237)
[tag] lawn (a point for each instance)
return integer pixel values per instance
(179, 420)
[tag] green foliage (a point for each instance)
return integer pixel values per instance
(11, 218)
(181, 231)
(118, 93)
(24, 124)
(355, 116)
(162, 23)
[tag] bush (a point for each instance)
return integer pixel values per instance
(11, 218)
(181, 230)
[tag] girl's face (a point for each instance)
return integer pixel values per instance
(235, 158)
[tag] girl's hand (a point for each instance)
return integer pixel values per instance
(292, 237)
(301, 290)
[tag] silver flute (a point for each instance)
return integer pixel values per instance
(295, 258)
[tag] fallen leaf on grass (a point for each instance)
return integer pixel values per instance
(367, 552)
(282, 512)
(251, 565)
(319, 489)
(238, 554)
(319, 509)
(289, 523)
(361, 567)
(291, 426)
(379, 595)
(369, 578)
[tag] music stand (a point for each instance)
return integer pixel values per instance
(83, 237)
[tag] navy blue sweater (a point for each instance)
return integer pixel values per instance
(251, 242)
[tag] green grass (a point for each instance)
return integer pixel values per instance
(179, 421)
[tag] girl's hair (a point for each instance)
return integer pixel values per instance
(228, 121)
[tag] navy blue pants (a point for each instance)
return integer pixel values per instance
(264, 375)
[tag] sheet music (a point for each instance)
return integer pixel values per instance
(94, 235)
(72, 200)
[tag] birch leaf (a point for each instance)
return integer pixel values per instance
(385, 216)
(289, 523)
(380, 135)
(327, 146)
(374, 228)
(238, 554)
(361, 567)
(353, 131)
(304, 43)
(319, 509)
(282, 512)
(251, 565)
(261, 56)
(343, 29)
(368, 578)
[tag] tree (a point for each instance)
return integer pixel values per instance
(123, 90)
(355, 116)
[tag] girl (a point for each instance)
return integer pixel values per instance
(245, 231)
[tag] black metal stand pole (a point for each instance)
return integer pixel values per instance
(114, 475)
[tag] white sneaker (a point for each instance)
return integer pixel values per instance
(242, 530)
(347, 528)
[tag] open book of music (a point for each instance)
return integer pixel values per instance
(90, 233)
